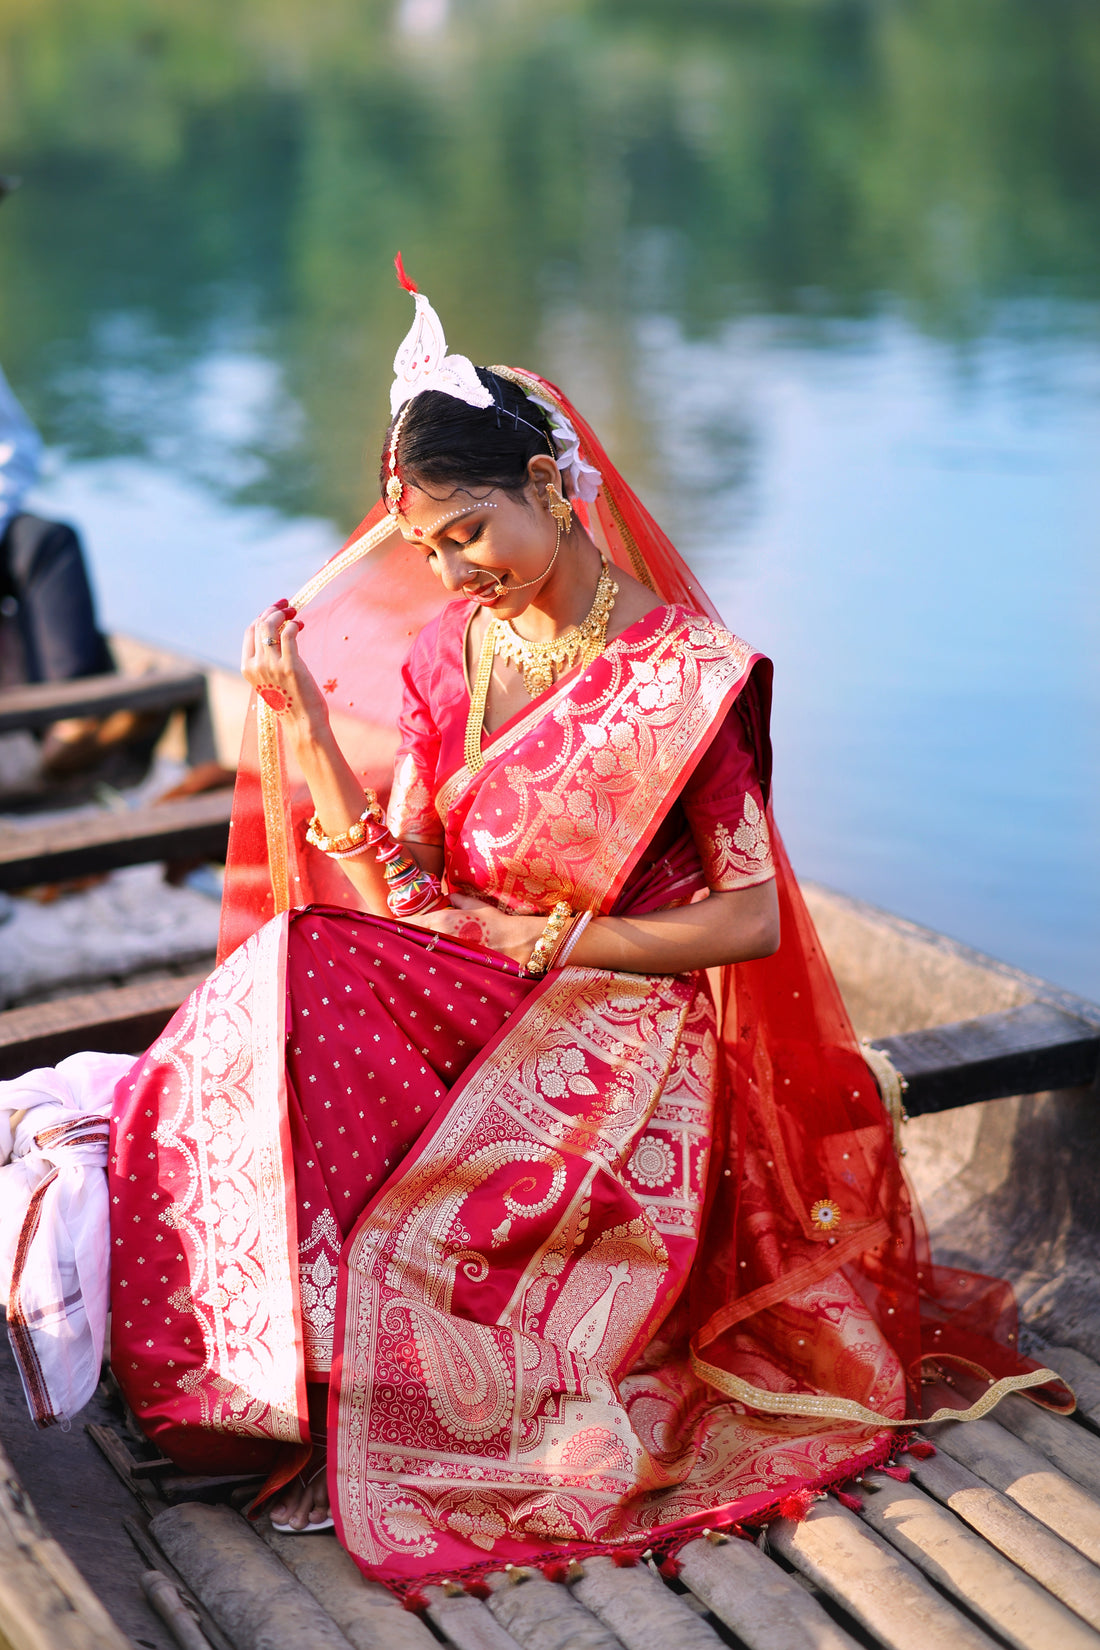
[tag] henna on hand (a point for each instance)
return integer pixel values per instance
(472, 932)
(276, 699)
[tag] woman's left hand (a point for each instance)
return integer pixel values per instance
(476, 923)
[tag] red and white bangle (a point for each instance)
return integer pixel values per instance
(410, 890)
(569, 940)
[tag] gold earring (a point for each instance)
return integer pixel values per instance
(559, 507)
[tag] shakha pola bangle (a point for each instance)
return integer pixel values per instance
(409, 888)
(569, 940)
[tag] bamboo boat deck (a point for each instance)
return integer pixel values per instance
(993, 1541)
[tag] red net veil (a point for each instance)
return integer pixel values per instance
(810, 1218)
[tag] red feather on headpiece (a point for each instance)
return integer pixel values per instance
(410, 286)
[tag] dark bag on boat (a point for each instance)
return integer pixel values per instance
(48, 629)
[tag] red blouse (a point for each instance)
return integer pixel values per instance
(715, 835)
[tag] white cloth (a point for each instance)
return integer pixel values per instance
(55, 1247)
(20, 452)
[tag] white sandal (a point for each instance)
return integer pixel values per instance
(307, 1529)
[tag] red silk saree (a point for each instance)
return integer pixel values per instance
(591, 1262)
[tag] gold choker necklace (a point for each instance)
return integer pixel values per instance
(538, 660)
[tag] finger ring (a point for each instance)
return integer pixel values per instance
(271, 641)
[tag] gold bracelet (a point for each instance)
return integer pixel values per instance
(547, 942)
(351, 838)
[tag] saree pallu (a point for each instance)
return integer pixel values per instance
(650, 1266)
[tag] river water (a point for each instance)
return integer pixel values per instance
(826, 277)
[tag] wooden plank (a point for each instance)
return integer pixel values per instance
(1083, 1376)
(151, 1469)
(165, 1598)
(1019, 1051)
(195, 827)
(156, 1560)
(1030, 1545)
(38, 704)
(967, 1568)
(543, 1615)
(114, 1450)
(254, 1598)
(879, 1588)
(1026, 1477)
(45, 1603)
(639, 1609)
(763, 1605)
(369, 1617)
(466, 1622)
(1066, 1444)
(124, 1020)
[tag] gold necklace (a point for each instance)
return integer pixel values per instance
(537, 660)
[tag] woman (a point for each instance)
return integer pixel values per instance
(572, 1219)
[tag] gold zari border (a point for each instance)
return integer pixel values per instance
(343, 559)
(847, 1409)
(270, 751)
(637, 560)
(271, 792)
(891, 1084)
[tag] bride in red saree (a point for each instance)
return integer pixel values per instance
(558, 1262)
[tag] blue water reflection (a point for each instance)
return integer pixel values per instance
(825, 276)
(921, 559)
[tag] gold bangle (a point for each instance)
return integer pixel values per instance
(344, 841)
(547, 942)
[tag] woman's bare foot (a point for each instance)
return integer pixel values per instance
(304, 1501)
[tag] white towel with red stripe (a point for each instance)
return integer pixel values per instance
(55, 1246)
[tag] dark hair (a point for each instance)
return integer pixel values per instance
(446, 441)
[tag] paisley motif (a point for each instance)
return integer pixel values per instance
(468, 1382)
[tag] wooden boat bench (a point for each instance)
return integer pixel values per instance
(60, 848)
(37, 705)
(192, 827)
(117, 1020)
(1025, 1050)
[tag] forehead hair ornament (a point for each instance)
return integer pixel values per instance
(422, 363)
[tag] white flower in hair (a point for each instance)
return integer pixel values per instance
(582, 480)
(422, 362)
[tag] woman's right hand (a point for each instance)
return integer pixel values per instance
(271, 663)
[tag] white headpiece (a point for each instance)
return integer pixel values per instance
(422, 363)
